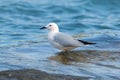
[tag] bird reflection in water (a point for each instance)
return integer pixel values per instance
(72, 56)
(85, 56)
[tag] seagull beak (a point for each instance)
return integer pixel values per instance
(43, 27)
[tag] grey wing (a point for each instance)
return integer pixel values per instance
(66, 40)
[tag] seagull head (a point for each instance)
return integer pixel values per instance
(51, 27)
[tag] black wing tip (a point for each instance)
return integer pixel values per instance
(86, 43)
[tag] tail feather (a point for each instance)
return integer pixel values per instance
(86, 43)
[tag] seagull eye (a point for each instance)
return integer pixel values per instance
(50, 25)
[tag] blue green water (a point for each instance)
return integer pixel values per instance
(24, 45)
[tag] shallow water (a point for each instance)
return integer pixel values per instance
(24, 45)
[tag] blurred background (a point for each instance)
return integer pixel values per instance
(20, 19)
(24, 45)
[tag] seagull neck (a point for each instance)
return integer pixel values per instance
(54, 31)
(52, 34)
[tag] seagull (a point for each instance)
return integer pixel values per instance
(61, 40)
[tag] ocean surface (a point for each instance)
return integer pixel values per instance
(24, 46)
